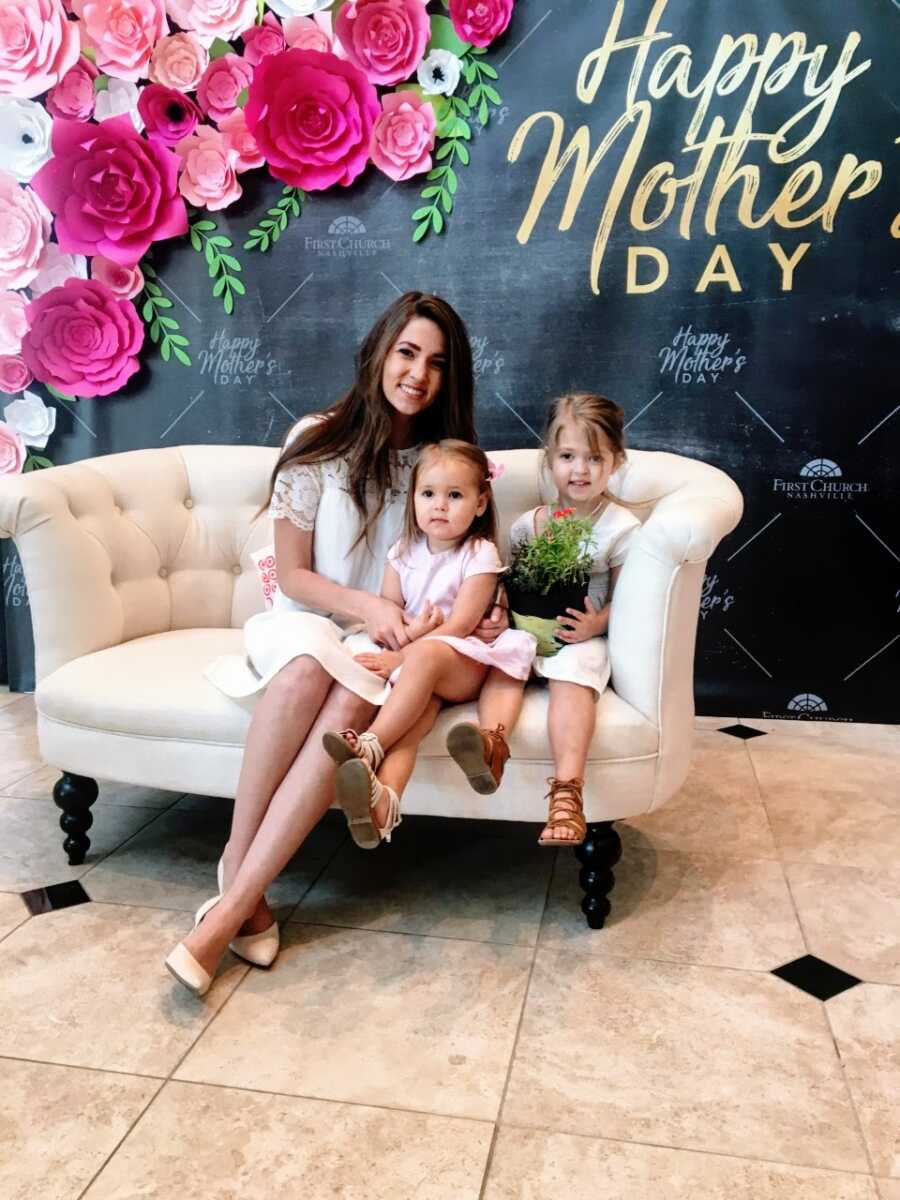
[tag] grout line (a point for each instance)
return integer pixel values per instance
(118, 1144)
(849, 1089)
(327, 863)
(49, 1062)
(157, 813)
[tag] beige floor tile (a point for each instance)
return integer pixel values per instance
(692, 908)
(888, 1189)
(851, 918)
(714, 723)
(58, 1125)
(86, 986)
(866, 1024)
(223, 1144)
(18, 714)
(31, 841)
(40, 783)
(374, 1018)
(8, 697)
(438, 877)
(12, 913)
(857, 734)
(19, 755)
(699, 1058)
(528, 1163)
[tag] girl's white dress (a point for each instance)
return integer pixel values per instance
(426, 578)
(316, 497)
(586, 663)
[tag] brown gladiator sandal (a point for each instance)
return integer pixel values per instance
(565, 812)
(481, 753)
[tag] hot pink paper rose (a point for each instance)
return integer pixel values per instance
(83, 340)
(260, 40)
(13, 321)
(74, 95)
(112, 191)
(24, 230)
(480, 21)
(168, 115)
(208, 173)
(38, 44)
(312, 116)
(309, 33)
(211, 19)
(403, 137)
(179, 62)
(122, 33)
(12, 451)
(239, 139)
(14, 374)
(384, 38)
(223, 81)
(124, 282)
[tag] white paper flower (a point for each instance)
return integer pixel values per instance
(56, 268)
(24, 136)
(438, 74)
(119, 98)
(32, 419)
(298, 8)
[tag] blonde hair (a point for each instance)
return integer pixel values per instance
(485, 525)
(603, 423)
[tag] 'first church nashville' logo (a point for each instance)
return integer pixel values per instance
(820, 479)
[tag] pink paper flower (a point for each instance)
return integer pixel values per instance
(208, 173)
(384, 38)
(403, 137)
(223, 81)
(239, 139)
(74, 95)
(124, 282)
(24, 230)
(309, 33)
(480, 21)
(122, 33)
(260, 40)
(179, 62)
(312, 116)
(56, 268)
(12, 451)
(38, 44)
(83, 340)
(168, 114)
(211, 19)
(13, 321)
(112, 192)
(14, 374)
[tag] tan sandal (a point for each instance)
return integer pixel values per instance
(348, 744)
(357, 790)
(480, 753)
(565, 812)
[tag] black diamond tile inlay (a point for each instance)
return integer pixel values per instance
(54, 896)
(816, 977)
(742, 731)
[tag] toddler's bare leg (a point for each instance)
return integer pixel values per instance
(500, 702)
(573, 715)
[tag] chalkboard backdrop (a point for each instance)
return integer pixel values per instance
(718, 253)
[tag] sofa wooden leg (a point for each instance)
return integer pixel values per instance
(75, 794)
(598, 854)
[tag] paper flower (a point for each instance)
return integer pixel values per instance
(24, 136)
(438, 74)
(312, 116)
(38, 44)
(124, 282)
(13, 321)
(208, 174)
(24, 230)
(74, 95)
(298, 8)
(260, 40)
(168, 115)
(83, 340)
(239, 139)
(223, 81)
(179, 62)
(14, 374)
(403, 136)
(12, 451)
(56, 268)
(211, 19)
(122, 33)
(32, 420)
(113, 192)
(384, 38)
(310, 33)
(480, 21)
(119, 99)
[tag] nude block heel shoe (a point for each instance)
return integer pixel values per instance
(258, 949)
(185, 968)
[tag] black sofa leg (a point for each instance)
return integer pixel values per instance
(75, 794)
(598, 854)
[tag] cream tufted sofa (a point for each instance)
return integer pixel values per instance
(139, 573)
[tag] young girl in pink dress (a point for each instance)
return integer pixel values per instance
(443, 572)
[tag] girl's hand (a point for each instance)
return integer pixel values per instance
(496, 620)
(386, 623)
(578, 626)
(383, 664)
(426, 622)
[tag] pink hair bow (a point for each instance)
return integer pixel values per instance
(495, 470)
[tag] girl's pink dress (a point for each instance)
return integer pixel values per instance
(437, 578)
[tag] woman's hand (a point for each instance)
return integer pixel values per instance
(386, 623)
(578, 626)
(496, 620)
(383, 664)
(426, 622)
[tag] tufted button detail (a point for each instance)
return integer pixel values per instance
(163, 573)
(189, 503)
(237, 569)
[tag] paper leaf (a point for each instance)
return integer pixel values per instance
(219, 49)
(445, 37)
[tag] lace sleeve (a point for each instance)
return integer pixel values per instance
(296, 495)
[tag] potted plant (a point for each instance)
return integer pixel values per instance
(549, 574)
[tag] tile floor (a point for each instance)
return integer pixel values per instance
(442, 1025)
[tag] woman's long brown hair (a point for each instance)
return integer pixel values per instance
(358, 427)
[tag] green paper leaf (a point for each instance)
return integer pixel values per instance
(166, 351)
(420, 213)
(147, 310)
(155, 331)
(59, 395)
(488, 70)
(89, 53)
(237, 287)
(492, 94)
(462, 151)
(204, 226)
(184, 359)
(421, 231)
(483, 113)
(219, 49)
(40, 461)
(242, 97)
(447, 202)
(101, 83)
(220, 285)
(229, 303)
(462, 129)
(429, 192)
(452, 181)
(445, 37)
(446, 149)
(260, 11)
(437, 221)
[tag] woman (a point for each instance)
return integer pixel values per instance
(336, 498)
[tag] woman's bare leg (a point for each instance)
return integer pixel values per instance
(500, 702)
(573, 714)
(400, 760)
